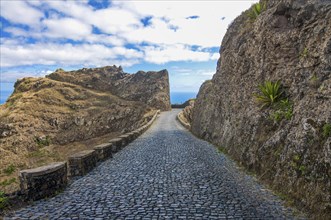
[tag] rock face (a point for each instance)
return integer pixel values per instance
(289, 41)
(151, 88)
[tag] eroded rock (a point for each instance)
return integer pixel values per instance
(289, 41)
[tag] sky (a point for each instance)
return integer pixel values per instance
(184, 37)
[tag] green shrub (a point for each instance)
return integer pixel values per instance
(270, 93)
(3, 200)
(10, 169)
(283, 109)
(276, 116)
(326, 130)
(256, 10)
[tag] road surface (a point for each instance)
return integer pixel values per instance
(166, 173)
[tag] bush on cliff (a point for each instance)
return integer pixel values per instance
(256, 10)
(270, 93)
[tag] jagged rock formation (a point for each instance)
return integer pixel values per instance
(68, 107)
(151, 88)
(289, 41)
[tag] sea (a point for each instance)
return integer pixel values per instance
(175, 97)
(181, 97)
(4, 96)
(6, 89)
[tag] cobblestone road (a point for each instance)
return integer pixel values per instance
(166, 173)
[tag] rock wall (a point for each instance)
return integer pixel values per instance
(151, 88)
(289, 41)
(43, 181)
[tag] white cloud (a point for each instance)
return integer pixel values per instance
(76, 9)
(114, 20)
(67, 54)
(215, 56)
(80, 31)
(16, 31)
(207, 73)
(206, 31)
(105, 39)
(178, 52)
(20, 12)
(188, 80)
(13, 75)
(169, 37)
(67, 28)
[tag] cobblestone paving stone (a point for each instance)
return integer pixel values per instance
(166, 173)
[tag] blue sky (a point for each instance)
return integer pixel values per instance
(37, 37)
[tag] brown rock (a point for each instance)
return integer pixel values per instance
(290, 41)
(151, 88)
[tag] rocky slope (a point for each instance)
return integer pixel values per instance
(44, 115)
(151, 88)
(289, 42)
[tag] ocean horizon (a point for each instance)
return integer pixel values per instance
(4, 96)
(175, 97)
(181, 97)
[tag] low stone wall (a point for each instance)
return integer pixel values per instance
(82, 162)
(104, 151)
(47, 180)
(116, 144)
(43, 181)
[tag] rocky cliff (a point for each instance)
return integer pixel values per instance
(151, 88)
(286, 142)
(44, 116)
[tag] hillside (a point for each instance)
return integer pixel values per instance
(46, 120)
(287, 141)
(151, 88)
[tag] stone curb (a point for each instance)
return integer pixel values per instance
(82, 162)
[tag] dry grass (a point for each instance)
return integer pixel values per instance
(29, 113)
(46, 155)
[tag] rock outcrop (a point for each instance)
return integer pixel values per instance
(44, 114)
(289, 42)
(151, 88)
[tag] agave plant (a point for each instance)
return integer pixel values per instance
(270, 93)
(256, 10)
